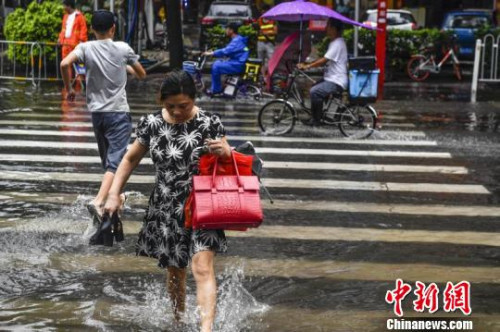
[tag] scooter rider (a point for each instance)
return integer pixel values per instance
(237, 53)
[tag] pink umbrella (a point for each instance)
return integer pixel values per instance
(287, 50)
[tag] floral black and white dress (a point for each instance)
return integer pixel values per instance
(175, 150)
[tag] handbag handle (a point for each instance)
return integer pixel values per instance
(235, 167)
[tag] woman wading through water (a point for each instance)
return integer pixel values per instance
(175, 138)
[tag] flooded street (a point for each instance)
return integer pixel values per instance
(417, 201)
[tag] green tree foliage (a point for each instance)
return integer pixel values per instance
(400, 44)
(251, 33)
(217, 37)
(39, 22)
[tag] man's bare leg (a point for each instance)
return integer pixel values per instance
(100, 199)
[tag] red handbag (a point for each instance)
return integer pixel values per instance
(230, 202)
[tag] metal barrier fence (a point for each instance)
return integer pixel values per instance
(485, 63)
(38, 68)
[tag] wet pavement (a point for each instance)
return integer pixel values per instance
(417, 201)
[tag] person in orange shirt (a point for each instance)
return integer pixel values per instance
(74, 28)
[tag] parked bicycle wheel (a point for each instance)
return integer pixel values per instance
(357, 121)
(276, 118)
(413, 68)
(248, 91)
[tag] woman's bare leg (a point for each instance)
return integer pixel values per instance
(206, 287)
(176, 287)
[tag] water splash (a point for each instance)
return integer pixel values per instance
(149, 306)
(236, 306)
(105, 303)
(52, 232)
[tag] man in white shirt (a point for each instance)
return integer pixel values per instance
(335, 76)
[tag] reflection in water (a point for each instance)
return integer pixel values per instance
(49, 279)
(486, 122)
(492, 122)
(472, 123)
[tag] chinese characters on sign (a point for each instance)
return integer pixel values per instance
(455, 297)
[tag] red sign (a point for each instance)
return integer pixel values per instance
(380, 44)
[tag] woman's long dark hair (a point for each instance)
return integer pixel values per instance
(177, 82)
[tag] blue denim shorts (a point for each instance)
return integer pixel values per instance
(112, 131)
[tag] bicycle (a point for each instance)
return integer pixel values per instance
(420, 66)
(278, 116)
(243, 88)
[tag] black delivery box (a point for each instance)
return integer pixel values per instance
(363, 63)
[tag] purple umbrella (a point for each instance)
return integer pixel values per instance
(302, 10)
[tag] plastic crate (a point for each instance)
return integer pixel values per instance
(363, 85)
(189, 67)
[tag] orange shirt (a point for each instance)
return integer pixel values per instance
(78, 33)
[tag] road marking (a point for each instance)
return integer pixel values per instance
(371, 235)
(328, 140)
(286, 139)
(288, 268)
(327, 152)
(289, 205)
(406, 209)
(225, 119)
(287, 151)
(315, 233)
(33, 132)
(366, 167)
(376, 186)
(271, 183)
(268, 164)
(71, 124)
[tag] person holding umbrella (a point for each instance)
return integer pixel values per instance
(335, 79)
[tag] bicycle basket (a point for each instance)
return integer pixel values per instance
(363, 86)
(189, 67)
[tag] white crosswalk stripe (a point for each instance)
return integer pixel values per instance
(269, 182)
(268, 164)
(301, 205)
(87, 117)
(288, 139)
(279, 151)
